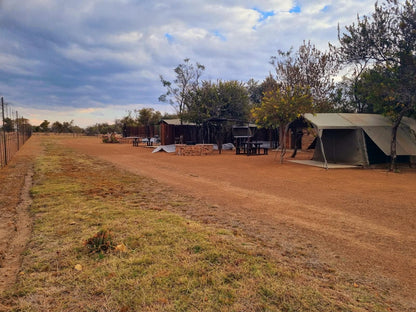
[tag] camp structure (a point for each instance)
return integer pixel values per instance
(173, 131)
(360, 139)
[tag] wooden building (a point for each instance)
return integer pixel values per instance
(172, 131)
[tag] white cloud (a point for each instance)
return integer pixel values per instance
(89, 54)
(15, 65)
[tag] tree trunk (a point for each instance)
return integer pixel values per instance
(283, 148)
(295, 150)
(298, 141)
(393, 143)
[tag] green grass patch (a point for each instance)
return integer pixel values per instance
(156, 260)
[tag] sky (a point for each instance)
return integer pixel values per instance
(92, 61)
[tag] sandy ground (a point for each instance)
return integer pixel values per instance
(361, 222)
(15, 220)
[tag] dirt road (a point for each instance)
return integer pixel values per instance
(15, 221)
(356, 221)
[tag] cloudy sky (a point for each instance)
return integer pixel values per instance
(93, 60)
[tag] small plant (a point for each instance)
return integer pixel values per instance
(101, 242)
(110, 138)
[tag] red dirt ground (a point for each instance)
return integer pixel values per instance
(358, 221)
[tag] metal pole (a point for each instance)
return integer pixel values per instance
(4, 132)
(17, 130)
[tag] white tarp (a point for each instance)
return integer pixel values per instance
(225, 146)
(165, 148)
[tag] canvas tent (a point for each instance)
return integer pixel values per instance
(359, 139)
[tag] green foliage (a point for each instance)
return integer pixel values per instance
(43, 127)
(256, 90)
(309, 68)
(148, 116)
(376, 86)
(110, 138)
(282, 106)
(223, 99)
(128, 120)
(58, 127)
(8, 125)
(385, 41)
(103, 128)
(101, 242)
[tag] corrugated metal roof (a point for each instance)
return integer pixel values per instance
(177, 122)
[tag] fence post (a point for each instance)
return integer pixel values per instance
(4, 132)
(17, 130)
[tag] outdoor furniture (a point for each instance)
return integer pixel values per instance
(135, 141)
(251, 148)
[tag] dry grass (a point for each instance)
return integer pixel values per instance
(163, 262)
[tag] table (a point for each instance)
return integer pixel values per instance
(251, 148)
(135, 141)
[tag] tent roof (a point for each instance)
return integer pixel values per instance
(377, 127)
(347, 121)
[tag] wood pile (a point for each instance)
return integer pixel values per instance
(194, 150)
(126, 140)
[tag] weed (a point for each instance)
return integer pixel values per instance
(101, 242)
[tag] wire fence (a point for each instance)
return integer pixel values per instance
(14, 132)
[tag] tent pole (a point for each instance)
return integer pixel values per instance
(322, 147)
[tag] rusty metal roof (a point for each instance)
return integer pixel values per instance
(177, 122)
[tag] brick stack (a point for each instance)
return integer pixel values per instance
(126, 140)
(307, 138)
(194, 150)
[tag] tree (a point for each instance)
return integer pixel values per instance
(8, 125)
(386, 42)
(256, 91)
(103, 128)
(57, 127)
(148, 117)
(204, 103)
(179, 92)
(309, 68)
(213, 104)
(223, 99)
(128, 120)
(282, 106)
(352, 96)
(44, 126)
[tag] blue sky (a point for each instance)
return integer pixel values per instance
(92, 61)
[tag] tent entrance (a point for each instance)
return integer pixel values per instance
(345, 146)
(375, 154)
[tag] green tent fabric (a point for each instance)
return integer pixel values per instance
(359, 139)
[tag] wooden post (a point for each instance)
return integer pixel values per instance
(4, 132)
(17, 130)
